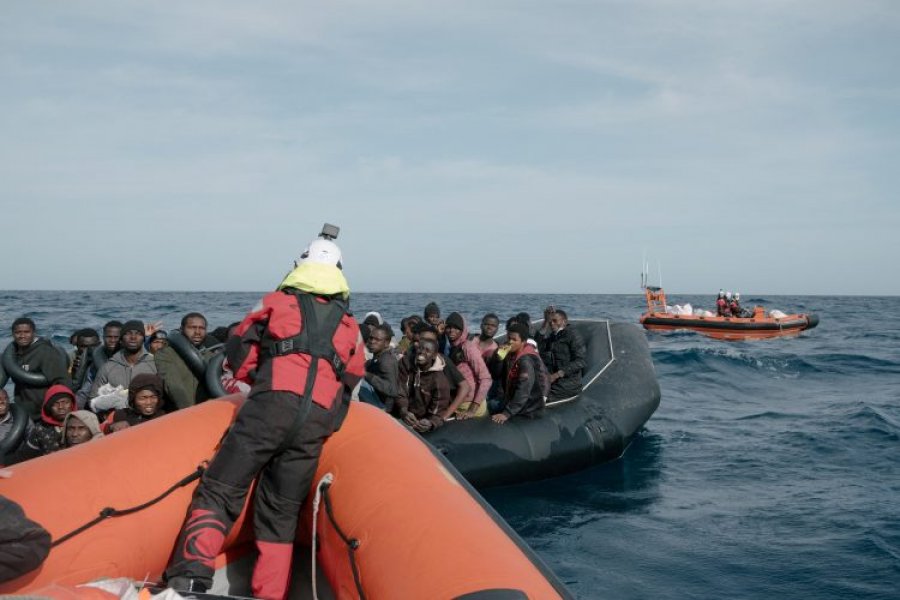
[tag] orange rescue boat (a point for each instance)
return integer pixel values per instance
(756, 327)
(395, 521)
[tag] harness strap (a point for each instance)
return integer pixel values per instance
(310, 324)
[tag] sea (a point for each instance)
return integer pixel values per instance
(769, 470)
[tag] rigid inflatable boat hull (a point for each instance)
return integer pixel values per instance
(620, 394)
(408, 511)
(732, 328)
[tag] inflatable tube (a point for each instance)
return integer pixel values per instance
(20, 426)
(20, 375)
(188, 353)
(213, 375)
(620, 393)
(376, 465)
(17, 373)
(3, 376)
(731, 328)
(749, 325)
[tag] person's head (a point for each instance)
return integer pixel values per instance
(425, 353)
(559, 319)
(455, 325)
(425, 331)
(728, 295)
(77, 431)
(145, 393)
(371, 321)
(524, 318)
(23, 330)
(490, 323)
(548, 313)
(193, 327)
(432, 313)
(59, 401)
(737, 296)
(86, 339)
(516, 335)
(322, 251)
(721, 293)
(4, 403)
(158, 341)
(80, 426)
(379, 339)
(408, 325)
(112, 336)
(133, 336)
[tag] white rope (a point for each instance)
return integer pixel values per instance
(327, 479)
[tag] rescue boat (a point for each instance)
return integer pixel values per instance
(389, 517)
(759, 325)
(619, 394)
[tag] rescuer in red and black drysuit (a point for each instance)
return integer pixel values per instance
(303, 350)
(722, 308)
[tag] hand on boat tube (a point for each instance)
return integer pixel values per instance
(500, 419)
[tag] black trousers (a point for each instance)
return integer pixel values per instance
(265, 441)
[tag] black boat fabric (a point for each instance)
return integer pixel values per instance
(620, 393)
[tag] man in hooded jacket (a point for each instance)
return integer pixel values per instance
(45, 436)
(306, 351)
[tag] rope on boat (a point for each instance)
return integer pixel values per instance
(109, 511)
(352, 543)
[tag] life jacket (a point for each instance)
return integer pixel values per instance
(722, 308)
(319, 322)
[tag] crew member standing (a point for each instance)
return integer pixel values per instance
(307, 354)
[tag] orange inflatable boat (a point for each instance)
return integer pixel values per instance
(758, 326)
(395, 521)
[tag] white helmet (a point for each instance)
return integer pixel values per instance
(737, 295)
(721, 293)
(323, 252)
(728, 295)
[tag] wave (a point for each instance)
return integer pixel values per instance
(788, 364)
(725, 358)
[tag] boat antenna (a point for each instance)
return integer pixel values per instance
(644, 270)
(659, 269)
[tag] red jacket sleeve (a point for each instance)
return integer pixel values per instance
(242, 349)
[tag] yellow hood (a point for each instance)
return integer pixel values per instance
(317, 278)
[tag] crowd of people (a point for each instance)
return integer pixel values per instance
(439, 372)
(435, 371)
(99, 387)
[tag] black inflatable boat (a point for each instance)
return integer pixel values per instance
(620, 393)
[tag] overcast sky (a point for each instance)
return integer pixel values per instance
(461, 146)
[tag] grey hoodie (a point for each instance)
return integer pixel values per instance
(86, 417)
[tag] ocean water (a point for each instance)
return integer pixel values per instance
(770, 469)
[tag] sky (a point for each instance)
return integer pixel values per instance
(461, 146)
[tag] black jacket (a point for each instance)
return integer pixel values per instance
(44, 358)
(527, 387)
(565, 351)
(382, 373)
